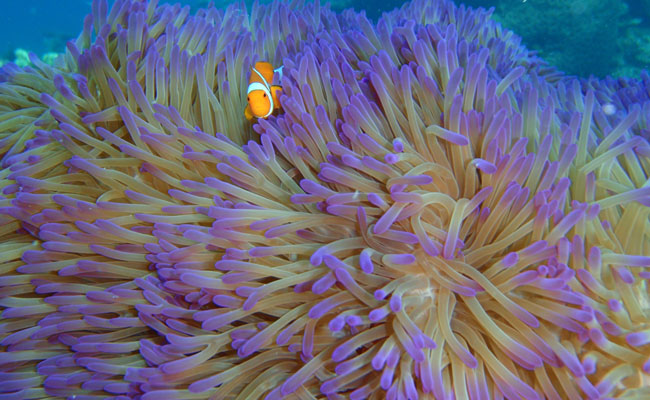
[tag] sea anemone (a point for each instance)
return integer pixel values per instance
(435, 214)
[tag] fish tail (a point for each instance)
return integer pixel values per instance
(278, 71)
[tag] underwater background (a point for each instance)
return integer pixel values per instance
(579, 37)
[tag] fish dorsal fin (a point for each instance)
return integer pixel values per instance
(265, 69)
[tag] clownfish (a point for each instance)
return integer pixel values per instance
(263, 92)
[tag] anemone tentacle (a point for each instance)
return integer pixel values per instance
(436, 212)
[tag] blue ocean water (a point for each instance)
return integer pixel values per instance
(580, 37)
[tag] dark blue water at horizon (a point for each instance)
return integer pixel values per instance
(42, 26)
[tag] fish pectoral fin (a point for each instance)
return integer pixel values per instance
(248, 113)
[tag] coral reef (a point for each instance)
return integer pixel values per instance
(585, 37)
(436, 212)
(22, 59)
(579, 37)
(636, 51)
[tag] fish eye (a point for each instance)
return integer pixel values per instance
(264, 94)
(248, 98)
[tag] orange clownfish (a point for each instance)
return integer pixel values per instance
(263, 95)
